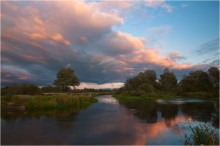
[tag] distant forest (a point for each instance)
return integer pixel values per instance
(197, 83)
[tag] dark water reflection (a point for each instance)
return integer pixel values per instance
(108, 122)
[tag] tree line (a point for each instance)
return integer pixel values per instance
(145, 83)
(198, 82)
(65, 78)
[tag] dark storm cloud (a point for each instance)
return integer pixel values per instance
(38, 38)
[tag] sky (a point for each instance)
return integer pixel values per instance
(106, 42)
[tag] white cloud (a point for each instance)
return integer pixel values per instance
(184, 5)
(113, 85)
(159, 30)
(159, 3)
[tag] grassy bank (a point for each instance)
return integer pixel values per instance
(130, 98)
(199, 95)
(47, 102)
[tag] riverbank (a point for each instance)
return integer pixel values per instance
(47, 102)
(131, 98)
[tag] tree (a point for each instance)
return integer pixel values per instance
(188, 84)
(203, 82)
(168, 81)
(196, 81)
(65, 78)
(50, 89)
(142, 84)
(214, 76)
(151, 76)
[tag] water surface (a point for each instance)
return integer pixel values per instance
(109, 122)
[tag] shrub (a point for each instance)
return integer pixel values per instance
(201, 134)
(24, 89)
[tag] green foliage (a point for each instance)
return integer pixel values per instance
(214, 76)
(142, 84)
(202, 134)
(151, 76)
(196, 81)
(168, 81)
(65, 78)
(24, 89)
(188, 84)
(197, 84)
(50, 89)
(46, 102)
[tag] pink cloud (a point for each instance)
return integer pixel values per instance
(59, 38)
(37, 36)
(157, 129)
(27, 54)
(83, 39)
(9, 74)
(37, 59)
(125, 69)
(153, 56)
(174, 54)
(76, 32)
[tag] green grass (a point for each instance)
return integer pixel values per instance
(123, 97)
(47, 102)
(201, 135)
(208, 95)
(161, 95)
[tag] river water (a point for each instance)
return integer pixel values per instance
(109, 122)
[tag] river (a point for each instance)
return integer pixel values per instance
(108, 122)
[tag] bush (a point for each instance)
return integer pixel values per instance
(50, 89)
(24, 89)
(202, 134)
(45, 102)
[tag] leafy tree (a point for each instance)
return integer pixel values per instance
(188, 84)
(214, 76)
(196, 81)
(23, 89)
(65, 78)
(168, 81)
(151, 76)
(141, 84)
(203, 82)
(50, 89)
(28, 89)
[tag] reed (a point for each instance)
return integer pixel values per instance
(201, 134)
(45, 102)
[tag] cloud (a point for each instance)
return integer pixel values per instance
(160, 30)
(159, 3)
(184, 5)
(210, 52)
(100, 86)
(112, 5)
(153, 57)
(55, 38)
(176, 56)
(211, 46)
(12, 74)
(42, 37)
(119, 8)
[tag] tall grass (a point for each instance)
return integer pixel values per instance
(46, 102)
(201, 134)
